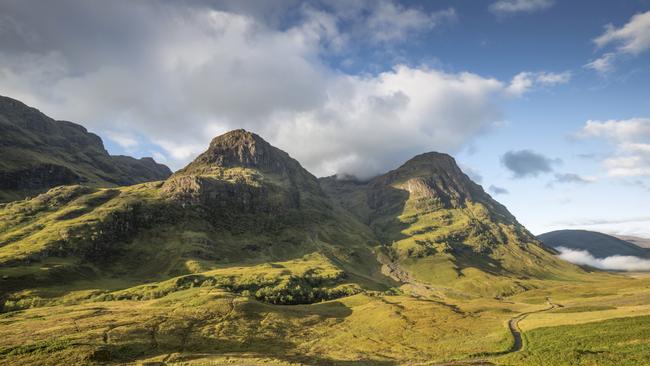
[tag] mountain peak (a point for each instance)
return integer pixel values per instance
(240, 148)
(432, 160)
(243, 149)
(433, 174)
(241, 163)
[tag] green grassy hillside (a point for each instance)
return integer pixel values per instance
(204, 218)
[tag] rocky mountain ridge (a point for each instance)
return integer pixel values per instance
(39, 153)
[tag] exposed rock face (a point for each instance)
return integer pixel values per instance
(431, 180)
(436, 178)
(39, 153)
(433, 175)
(222, 196)
(241, 170)
(243, 149)
(240, 148)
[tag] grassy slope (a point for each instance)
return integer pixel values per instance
(207, 323)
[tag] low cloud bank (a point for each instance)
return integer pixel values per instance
(612, 263)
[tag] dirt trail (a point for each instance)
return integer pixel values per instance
(513, 325)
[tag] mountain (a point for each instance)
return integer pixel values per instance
(39, 153)
(201, 266)
(445, 229)
(241, 201)
(598, 244)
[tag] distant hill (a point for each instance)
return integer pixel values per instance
(598, 244)
(39, 153)
(640, 242)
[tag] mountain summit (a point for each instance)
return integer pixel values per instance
(241, 168)
(240, 148)
(436, 178)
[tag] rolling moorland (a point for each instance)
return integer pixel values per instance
(244, 257)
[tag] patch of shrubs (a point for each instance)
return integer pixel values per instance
(281, 290)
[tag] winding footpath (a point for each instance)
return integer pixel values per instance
(513, 325)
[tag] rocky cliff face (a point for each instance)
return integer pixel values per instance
(428, 182)
(39, 153)
(241, 170)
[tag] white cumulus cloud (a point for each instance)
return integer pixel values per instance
(631, 139)
(177, 74)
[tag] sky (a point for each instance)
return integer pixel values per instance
(545, 103)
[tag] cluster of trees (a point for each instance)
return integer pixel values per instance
(297, 290)
(284, 290)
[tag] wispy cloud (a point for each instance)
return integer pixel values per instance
(510, 7)
(573, 178)
(612, 263)
(390, 21)
(600, 221)
(603, 64)
(525, 81)
(632, 39)
(125, 140)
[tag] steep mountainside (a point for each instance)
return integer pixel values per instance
(39, 153)
(241, 202)
(598, 244)
(444, 228)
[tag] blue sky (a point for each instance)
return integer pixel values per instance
(506, 86)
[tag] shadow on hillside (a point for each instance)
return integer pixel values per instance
(466, 257)
(387, 204)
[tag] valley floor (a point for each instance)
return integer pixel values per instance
(601, 321)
